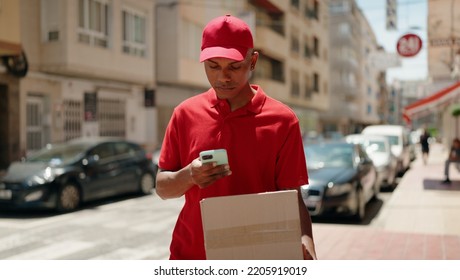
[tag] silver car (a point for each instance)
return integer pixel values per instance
(379, 150)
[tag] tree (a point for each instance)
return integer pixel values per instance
(456, 113)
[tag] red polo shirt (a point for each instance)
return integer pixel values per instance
(265, 153)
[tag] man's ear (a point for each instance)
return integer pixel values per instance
(255, 56)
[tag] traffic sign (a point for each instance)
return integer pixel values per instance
(409, 45)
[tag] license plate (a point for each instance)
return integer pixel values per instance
(5, 194)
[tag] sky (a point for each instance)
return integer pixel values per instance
(412, 18)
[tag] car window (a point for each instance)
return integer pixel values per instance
(102, 151)
(126, 149)
(320, 156)
(58, 154)
(394, 140)
(375, 146)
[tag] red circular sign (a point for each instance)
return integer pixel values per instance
(409, 45)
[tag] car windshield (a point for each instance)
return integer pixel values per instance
(394, 140)
(59, 154)
(370, 145)
(329, 155)
(374, 146)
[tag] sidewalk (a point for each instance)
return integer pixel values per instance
(420, 220)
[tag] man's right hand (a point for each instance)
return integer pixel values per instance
(205, 174)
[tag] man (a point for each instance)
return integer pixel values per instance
(261, 135)
(425, 145)
(454, 156)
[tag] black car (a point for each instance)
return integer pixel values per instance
(63, 176)
(342, 179)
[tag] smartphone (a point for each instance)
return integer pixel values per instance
(219, 156)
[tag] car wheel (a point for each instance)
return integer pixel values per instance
(147, 183)
(68, 198)
(360, 210)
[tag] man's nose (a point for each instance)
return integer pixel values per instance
(224, 75)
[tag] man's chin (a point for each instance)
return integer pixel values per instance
(225, 93)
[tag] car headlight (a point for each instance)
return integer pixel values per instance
(337, 189)
(45, 176)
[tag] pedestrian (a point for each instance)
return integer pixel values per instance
(454, 157)
(425, 145)
(261, 135)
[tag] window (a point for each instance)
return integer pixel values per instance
(112, 117)
(134, 31)
(316, 9)
(102, 151)
(295, 4)
(308, 87)
(93, 22)
(50, 20)
(295, 86)
(72, 119)
(313, 12)
(316, 82)
(306, 51)
(35, 111)
(270, 68)
(316, 46)
(295, 44)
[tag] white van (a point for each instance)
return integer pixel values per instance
(399, 141)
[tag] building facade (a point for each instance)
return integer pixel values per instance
(444, 64)
(90, 71)
(119, 67)
(290, 36)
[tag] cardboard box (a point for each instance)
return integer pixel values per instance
(264, 226)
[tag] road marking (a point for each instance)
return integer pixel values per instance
(54, 251)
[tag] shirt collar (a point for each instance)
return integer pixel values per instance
(254, 105)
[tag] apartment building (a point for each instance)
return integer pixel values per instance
(356, 85)
(290, 36)
(345, 72)
(91, 71)
(443, 67)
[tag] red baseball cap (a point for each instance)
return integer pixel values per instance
(226, 36)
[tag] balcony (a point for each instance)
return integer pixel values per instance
(270, 42)
(72, 45)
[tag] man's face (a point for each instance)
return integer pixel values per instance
(228, 77)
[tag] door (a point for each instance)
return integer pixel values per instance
(34, 123)
(101, 173)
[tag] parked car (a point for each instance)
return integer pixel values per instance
(342, 179)
(379, 150)
(63, 176)
(399, 140)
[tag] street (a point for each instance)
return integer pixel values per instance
(413, 221)
(131, 227)
(128, 227)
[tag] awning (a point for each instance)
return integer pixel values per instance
(435, 101)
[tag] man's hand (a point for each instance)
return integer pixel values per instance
(205, 174)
